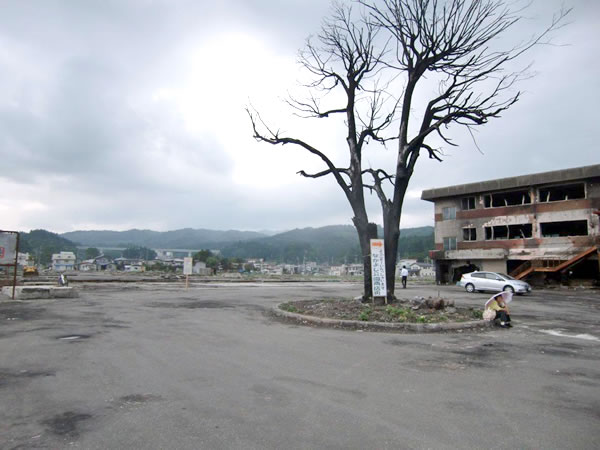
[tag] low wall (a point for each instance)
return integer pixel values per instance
(39, 292)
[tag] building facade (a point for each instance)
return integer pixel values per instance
(544, 225)
(24, 259)
(63, 261)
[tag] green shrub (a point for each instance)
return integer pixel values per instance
(365, 314)
(477, 314)
(289, 308)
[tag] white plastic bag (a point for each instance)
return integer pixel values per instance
(489, 314)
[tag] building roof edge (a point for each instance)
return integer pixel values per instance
(555, 176)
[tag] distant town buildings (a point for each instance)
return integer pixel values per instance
(67, 261)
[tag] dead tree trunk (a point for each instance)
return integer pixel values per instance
(366, 232)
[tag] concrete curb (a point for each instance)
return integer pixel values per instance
(384, 326)
(38, 292)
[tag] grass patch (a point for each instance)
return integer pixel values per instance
(365, 314)
(288, 307)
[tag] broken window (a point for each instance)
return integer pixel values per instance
(469, 234)
(512, 198)
(468, 203)
(497, 232)
(449, 243)
(449, 213)
(557, 193)
(567, 228)
(519, 231)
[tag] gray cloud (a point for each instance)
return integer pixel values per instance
(85, 140)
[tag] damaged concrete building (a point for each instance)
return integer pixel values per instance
(543, 227)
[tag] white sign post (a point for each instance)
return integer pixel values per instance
(9, 250)
(8, 247)
(187, 269)
(378, 269)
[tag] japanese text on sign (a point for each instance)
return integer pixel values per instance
(378, 268)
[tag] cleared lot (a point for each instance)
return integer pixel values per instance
(158, 366)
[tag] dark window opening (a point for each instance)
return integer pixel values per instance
(568, 228)
(468, 203)
(497, 232)
(513, 198)
(558, 193)
(469, 234)
(520, 231)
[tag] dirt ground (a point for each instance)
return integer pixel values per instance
(402, 311)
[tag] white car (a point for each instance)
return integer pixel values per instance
(492, 281)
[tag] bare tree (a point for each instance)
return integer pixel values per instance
(448, 41)
(344, 58)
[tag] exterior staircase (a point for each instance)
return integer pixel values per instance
(550, 265)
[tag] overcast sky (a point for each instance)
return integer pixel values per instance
(124, 114)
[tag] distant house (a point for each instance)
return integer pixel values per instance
(63, 261)
(87, 266)
(408, 263)
(24, 259)
(134, 267)
(201, 269)
(122, 262)
(355, 270)
(336, 271)
(426, 270)
(103, 263)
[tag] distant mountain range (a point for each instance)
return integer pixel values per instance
(186, 238)
(41, 244)
(334, 244)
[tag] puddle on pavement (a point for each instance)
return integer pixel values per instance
(8, 376)
(66, 424)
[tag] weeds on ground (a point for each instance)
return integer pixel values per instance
(365, 314)
(400, 314)
(477, 314)
(289, 308)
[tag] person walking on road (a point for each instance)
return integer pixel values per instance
(404, 275)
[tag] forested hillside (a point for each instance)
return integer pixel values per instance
(184, 238)
(334, 244)
(41, 244)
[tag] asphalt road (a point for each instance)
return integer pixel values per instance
(156, 366)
